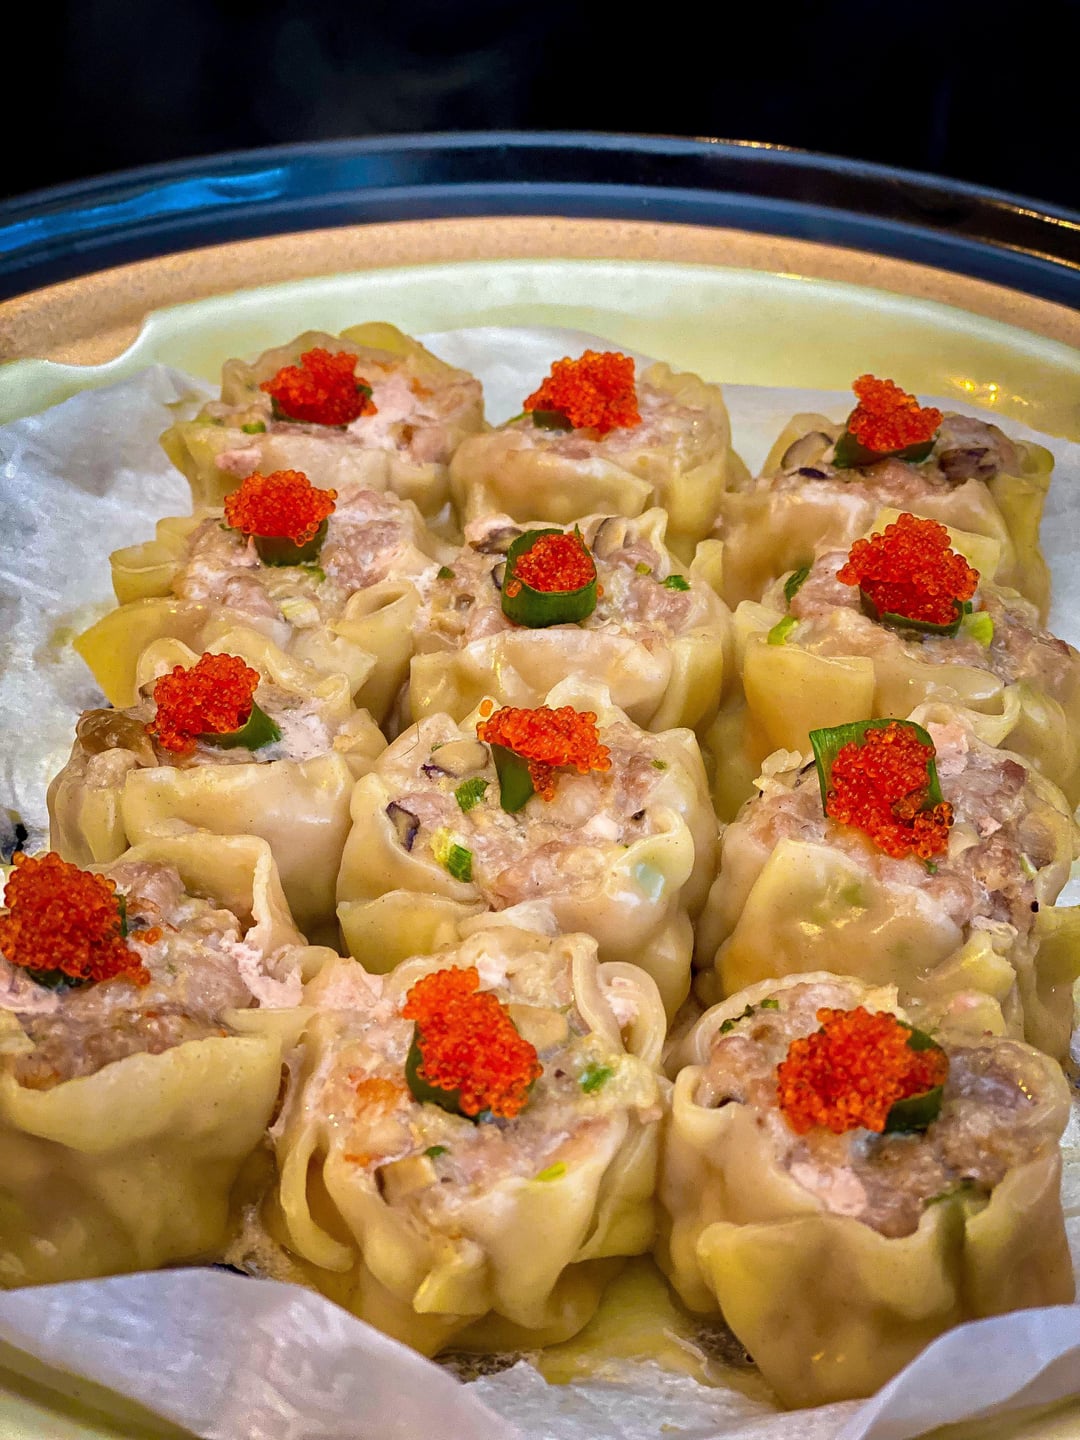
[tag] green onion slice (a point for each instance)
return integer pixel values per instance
(917, 1112)
(448, 1100)
(795, 581)
(850, 454)
(459, 863)
(979, 627)
(257, 730)
(781, 630)
(551, 420)
(539, 608)
(428, 1094)
(515, 783)
(594, 1077)
(470, 793)
(280, 550)
(828, 743)
(902, 622)
(676, 582)
(59, 980)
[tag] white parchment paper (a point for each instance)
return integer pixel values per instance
(238, 1359)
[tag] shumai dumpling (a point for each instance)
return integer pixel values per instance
(236, 741)
(935, 868)
(818, 651)
(467, 1147)
(598, 438)
(821, 488)
(136, 1076)
(369, 409)
(843, 1189)
(568, 804)
(335, 592)
(518, 609)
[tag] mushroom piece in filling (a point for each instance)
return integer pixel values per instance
(614, 834)
(802, 503)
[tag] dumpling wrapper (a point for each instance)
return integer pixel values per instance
(829, 1307)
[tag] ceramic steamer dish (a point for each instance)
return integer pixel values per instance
(384, 1200)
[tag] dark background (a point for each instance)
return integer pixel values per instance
(983, 92)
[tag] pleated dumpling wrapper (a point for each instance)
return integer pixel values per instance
(597, 437)
(327, 577)
(468, 1146)
(843, 1190)
(369, 409)
(517, 609)
(240, 740)
(819, 650)
(941, 880)
(965, 472)
(143, 1013)
(569, 804)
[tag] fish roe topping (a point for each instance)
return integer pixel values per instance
(911, 570)
(214, 697)
(554, 564)
(282, 505)
(849, 1074)
(881, 787)
(323, 389)
(888, 419)
(595, 392)
(66, 921)
(469, 1046)
(547, 740)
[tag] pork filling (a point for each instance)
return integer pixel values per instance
(557, 846)
(430, 1161)
(831, 622)
(464, 605)
(991, 1118)
(1003, 833)
(965, 449)
(414, 418)
(370, 538)
(686, 431)
(197, 965)
(110, 743)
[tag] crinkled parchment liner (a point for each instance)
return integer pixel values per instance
(231, 1357)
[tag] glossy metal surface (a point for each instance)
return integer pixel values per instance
(57, 234)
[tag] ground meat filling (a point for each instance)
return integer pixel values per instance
(965, 449)
(370, 538)
(686, 431)
(416, 419)
(831, 622)
(991, 1118)
(429, 1161)
(632, 599)
(1000, 839)
(110, 743)
(557, 846)
(194, 978)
